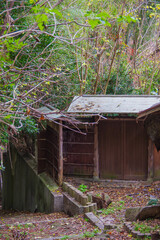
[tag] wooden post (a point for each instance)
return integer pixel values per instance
(60, 162)
(96, 155)
(150, 160)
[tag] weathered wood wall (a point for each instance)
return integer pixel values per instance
(156, 165)
(153, 161)
(78, 152)
(48, 152)
(123, 149)
(117, 149)
(41, 151)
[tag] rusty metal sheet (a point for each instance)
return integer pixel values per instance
(120, 104)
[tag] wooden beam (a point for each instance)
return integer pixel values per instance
(150, 160)
(96, 154)
(60, 160)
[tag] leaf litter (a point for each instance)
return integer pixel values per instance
(25, 225)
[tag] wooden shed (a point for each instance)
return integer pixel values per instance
(108, 142)
(151, 117)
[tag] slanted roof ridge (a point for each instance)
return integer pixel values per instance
(119, 104)
(125, 95)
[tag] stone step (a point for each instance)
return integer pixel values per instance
(73, 207)
(77, 194)
(94, 220)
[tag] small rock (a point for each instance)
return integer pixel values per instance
(135, 233)
(107, 198)
(102, 201)
(108, 226)
(99, 211)
(149, 212)
(140, 235)
(147, 235)
(131, 213)
(94, 220)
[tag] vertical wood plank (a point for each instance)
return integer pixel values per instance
(41, 138)
(123, 151)
(36, 151)
(60, 164)
(150, 159)
(96, 155)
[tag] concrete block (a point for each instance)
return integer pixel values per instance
(65, 187)
(132, 213)
(149, 212)
(70, 206)
(94, 220)
(147, 235)
(108, 226)
(92, 207)
(127, 226)
(77, 197)
(58, 202)
(89, 197)
(140, 235)
(86, 209)
(70, 190)
(95, 207)
(83, 200)
(135, 233)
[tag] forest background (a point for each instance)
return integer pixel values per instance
(51, 51)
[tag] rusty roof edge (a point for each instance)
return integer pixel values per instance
(148, 96)
(152, 109)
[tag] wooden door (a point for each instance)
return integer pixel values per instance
(135, 151)
(110, 149)
(122, 150)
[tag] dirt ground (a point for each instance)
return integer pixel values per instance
(23, 225)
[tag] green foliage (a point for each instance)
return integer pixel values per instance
(113, 207)
(29, 126)
(129, 197)
(144, 228)
(153, 201)
(65, 237)
(83, 188)
(89, 234)
(126, 19)
(98, 195)
(121, 82)
(48, 55)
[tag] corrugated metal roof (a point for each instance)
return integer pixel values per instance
(50, 114)
(120, 104)
(154, 108)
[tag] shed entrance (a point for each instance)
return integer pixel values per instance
(123, 150)
(78, 152)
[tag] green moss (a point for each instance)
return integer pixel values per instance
(157, 174)
(48, 182)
